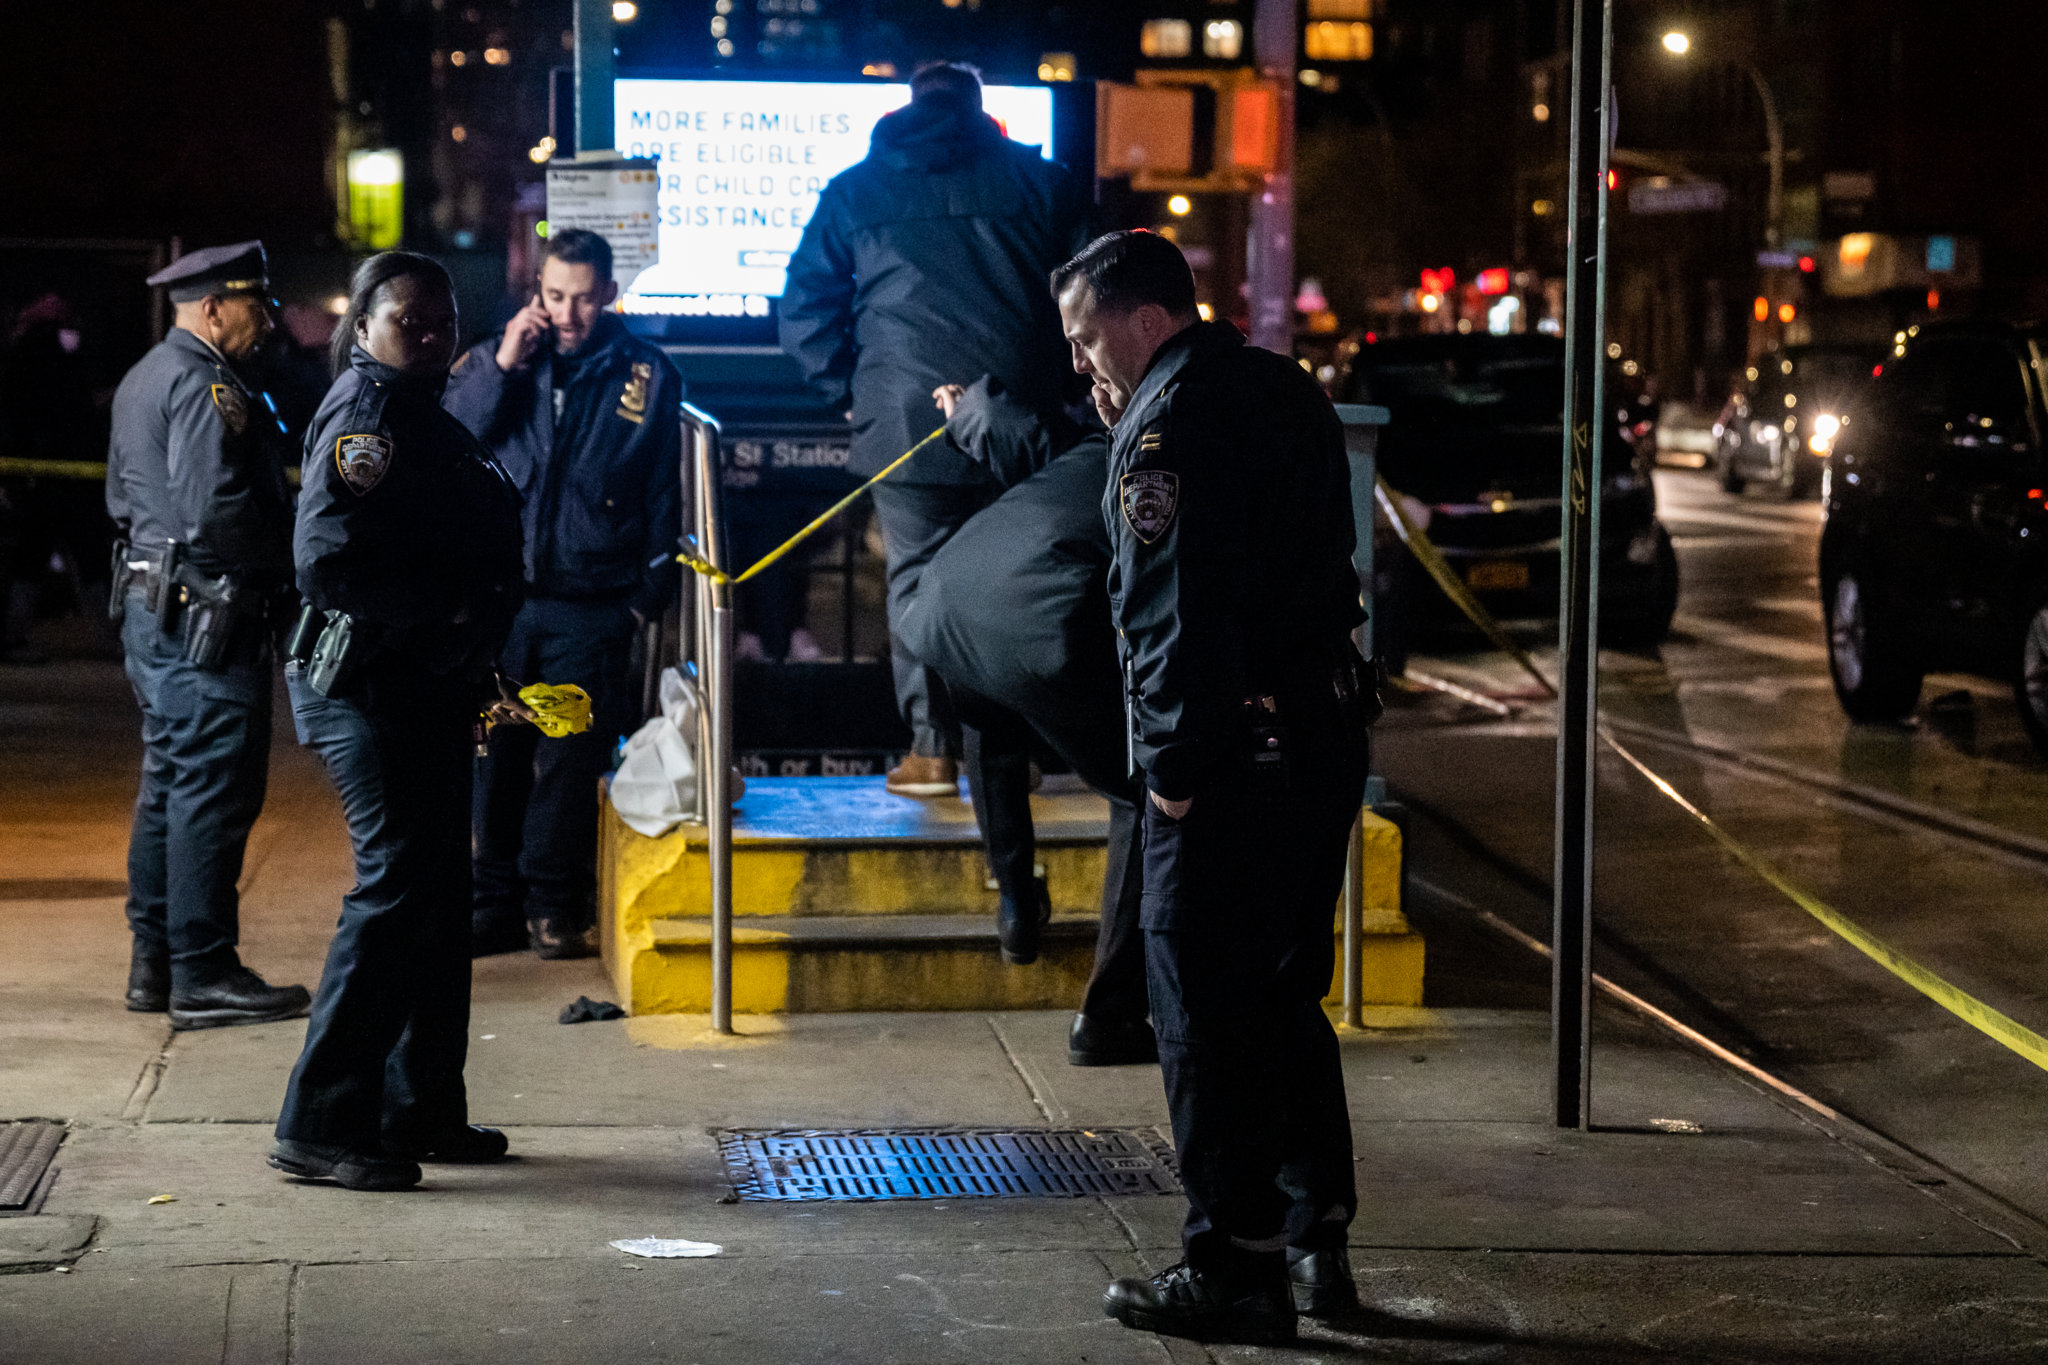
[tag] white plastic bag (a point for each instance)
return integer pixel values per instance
(655, 788)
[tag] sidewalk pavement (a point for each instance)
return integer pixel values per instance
(1704, 1220)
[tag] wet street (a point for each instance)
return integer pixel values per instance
(1929, 835)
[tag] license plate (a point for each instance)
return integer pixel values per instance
(1497, 575)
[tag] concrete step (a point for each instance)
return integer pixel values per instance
(849, 899)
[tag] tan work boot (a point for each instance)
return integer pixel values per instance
(917, 775)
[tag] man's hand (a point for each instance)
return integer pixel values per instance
(947, 397)
(1106, 406)
(508, 709)
(523, 336)
(1172, 810)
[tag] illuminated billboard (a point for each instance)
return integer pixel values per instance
(742, 163)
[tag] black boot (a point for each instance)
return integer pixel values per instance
(149, 979)
(1322, 1282)
(553, 940)
(236, 996)
(1019, 928)
(1250, 1306)
(1111, 1042)
(350, 1170)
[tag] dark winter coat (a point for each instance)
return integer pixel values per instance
(925, 264)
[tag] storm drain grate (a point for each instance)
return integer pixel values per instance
(946, 1163)
(25, 1152)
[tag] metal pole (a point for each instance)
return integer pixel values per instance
(714, 636)
(1269, 244)
(595, 132)
(1774, 135)
(1586, 422)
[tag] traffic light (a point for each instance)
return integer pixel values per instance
(1188, 132)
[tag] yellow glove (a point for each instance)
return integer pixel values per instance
(558, 711)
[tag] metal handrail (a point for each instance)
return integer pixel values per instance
(711, 636)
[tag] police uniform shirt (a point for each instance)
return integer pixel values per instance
(1229, 514)
(196, 456)
(405, 522)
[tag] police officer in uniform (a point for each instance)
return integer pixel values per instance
(586, 419)
(195, 482)
(408, 555)
(1229, 509)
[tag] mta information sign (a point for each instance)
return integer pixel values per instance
(739, 168)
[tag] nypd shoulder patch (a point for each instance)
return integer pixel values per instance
(362, 461)
(232, 407)
(1149, 498)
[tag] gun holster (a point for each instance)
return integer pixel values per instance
(1269, 747)
(118, 574)
(339, 652)
(162, 592)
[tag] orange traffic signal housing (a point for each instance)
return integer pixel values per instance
(1188, 131)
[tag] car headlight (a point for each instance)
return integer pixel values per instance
(1825, 428)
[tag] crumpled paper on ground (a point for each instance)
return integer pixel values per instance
(663, 1248)
(584, 1010)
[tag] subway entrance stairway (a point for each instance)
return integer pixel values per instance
(847, 898)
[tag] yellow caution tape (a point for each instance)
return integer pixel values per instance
(717, 575)
(1972, 1011)
(1454, 587)
(558, 710)
(54, 469)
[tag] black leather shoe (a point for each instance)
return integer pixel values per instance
(236, 997)
(1322, 1282)
(1251, 1309)
(350, 1170)
(149, 980)
(554, 941)
(1111, 1042)
(1020, 928)
(469, 1145)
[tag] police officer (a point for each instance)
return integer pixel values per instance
(925, 263)
(195, 482)
(1013, 614)
(585, 418)
(1229, 509)
(407, 551)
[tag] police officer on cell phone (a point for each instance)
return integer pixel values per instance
(1231, 585)
(586, 418)
(201, 578)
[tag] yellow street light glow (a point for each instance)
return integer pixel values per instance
(1677, 44)
(1430, 303)
(541, 151)
(1180, 206)
(625, 12)
(338, 304)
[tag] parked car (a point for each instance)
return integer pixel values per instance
(1782, 420)
(1934, 556)
(1475, 445)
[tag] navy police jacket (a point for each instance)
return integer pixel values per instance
(406, 523)
(1229, 513)
(197, 456)
(602, 485)
(926, 261)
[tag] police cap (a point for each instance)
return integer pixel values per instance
(236, 269)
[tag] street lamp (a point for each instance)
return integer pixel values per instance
(1678, 44)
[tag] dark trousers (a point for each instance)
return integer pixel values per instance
(916, 519)
(205, 763)
(1089, 739)
(1239, 909)
(535, 817)
(390, 1026)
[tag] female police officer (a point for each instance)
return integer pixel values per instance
(407, 552)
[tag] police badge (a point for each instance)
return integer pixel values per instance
(233, 408)
(633, 400)
(1149, 498)
(362, 461)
